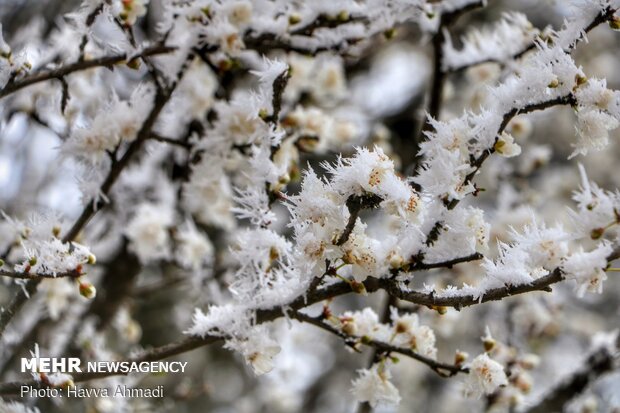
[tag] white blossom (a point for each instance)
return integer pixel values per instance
(373, 386)
(588, 268)
(486, 376)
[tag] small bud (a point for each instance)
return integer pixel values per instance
(614, 23)
(225, 65)
(488, 343)
(1, 262)
(349, 328)
(440, 309)
(92, 260)
(596, 233)
(32, 261)
(460, 357)
(554, 83)
(358, 288)
(134, 64)
(366, 340)
(263, 113)
(389, 33)
(87, 290)
(284, 179)
(396, 261)
(580, 80)
(294, 19)
(343, 16)
(56, 231)
(273, 254)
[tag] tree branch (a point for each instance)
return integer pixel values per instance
(477, 162)
(599, 362)
(37, 276)
(443, 369)
(63, 71)
(355, 204)
(439, 76)
(161, 98)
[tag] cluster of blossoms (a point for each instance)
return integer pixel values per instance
(233, 154)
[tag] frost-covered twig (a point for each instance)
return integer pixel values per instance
(495, 294)
(439, 78)
(37, 276)
(161, 98)
(477, 162)
(65, 70)
(443, 369)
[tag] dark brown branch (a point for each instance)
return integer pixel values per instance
(477, 162)
(446, 264)
(159, 138)
(279, 84)
(334, 290)
(439, 76)
(326, 22)
(599, 362)
(16, 304)
(600, 18)
(63, 71)
(355, 204)
(161, 98)
(495, 294)
(460, 301)
(36, 276)
(443, 369)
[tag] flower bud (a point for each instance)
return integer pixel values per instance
(358, 288)
(488, 343)
(460, 357)
(596, 233)
(87, 290)
(389, 33)
(134, 64)
(294, 19)
(92, 260)
(343, 16)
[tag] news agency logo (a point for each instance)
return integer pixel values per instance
(66, 365)
(55, 373)
(69, 365)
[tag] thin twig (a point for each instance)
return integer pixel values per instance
(63, 71)
(443, 369)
